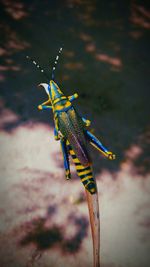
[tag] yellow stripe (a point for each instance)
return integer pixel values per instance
(59, 107)
(67, 104)
(59, 99)
(76, 160)
(56, 122)
(86, 178)
(72, 152)
(104, 153)
(80, 167)
(90, 182)
(85, 172)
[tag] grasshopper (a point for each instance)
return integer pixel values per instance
(71, 130)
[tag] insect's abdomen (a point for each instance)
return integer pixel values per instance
(84, 172)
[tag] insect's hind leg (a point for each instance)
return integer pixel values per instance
(98, 145)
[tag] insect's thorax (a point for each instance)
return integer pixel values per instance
(61, 104)
(59, 101)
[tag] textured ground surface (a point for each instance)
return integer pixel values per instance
(44, 218)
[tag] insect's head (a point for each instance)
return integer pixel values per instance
(53, 91)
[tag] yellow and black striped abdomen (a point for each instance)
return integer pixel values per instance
(84, 172)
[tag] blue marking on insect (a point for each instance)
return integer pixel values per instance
(49, 89)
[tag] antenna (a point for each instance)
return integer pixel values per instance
(38, 66)
(56, 61)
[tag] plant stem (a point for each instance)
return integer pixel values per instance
(93, 206)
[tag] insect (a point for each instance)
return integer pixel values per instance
(71, 130)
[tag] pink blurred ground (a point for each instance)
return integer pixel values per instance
(37, 204)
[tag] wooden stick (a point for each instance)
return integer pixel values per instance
(93, 206)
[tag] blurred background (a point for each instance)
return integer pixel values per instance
(44, 218)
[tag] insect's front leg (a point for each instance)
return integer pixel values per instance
(73, 97)
(66, 158)
(98, 145)
(56, 134)
(45, 105)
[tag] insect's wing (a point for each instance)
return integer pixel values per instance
(71, 126)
